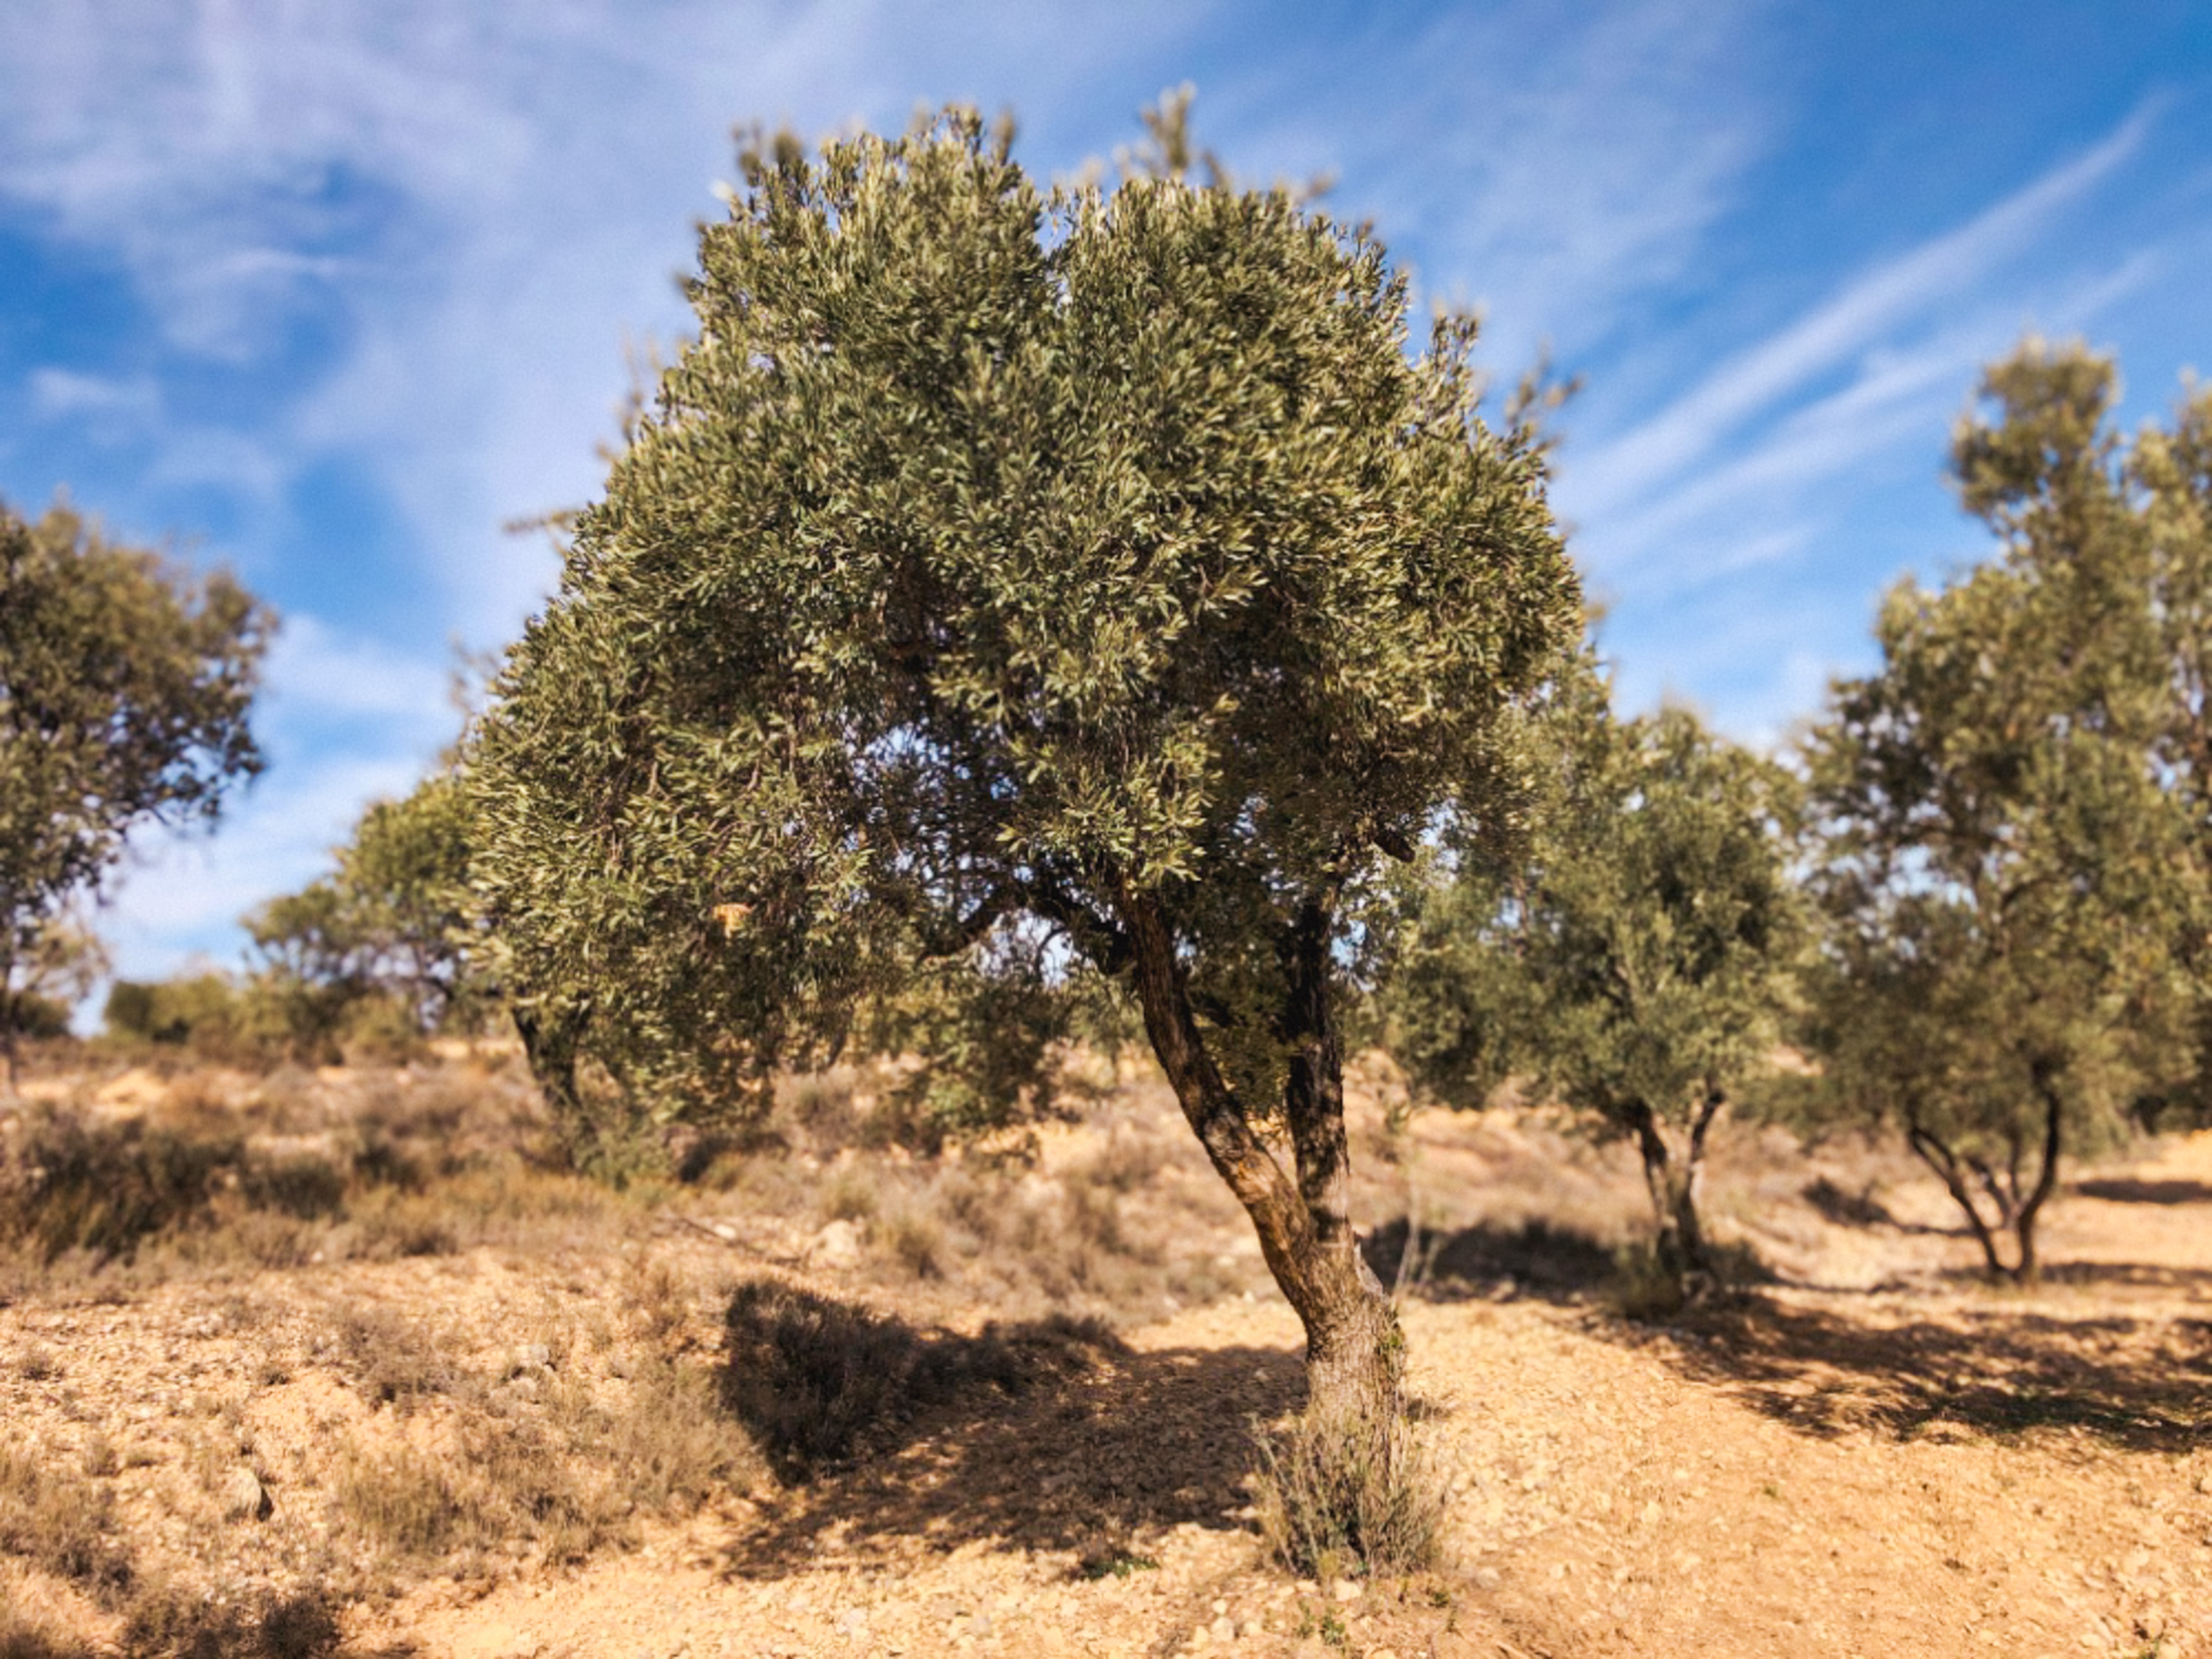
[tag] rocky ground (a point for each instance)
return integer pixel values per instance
(492, 1424)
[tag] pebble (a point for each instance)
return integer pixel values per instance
(244, 1498)
(530, 1356)
(837, 1245)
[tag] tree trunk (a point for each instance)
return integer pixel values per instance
(548, 1044)
(1675, 1184)
(2028, 1269)
(1354, 1352)
(2016, 1212)
(1932, 1150)
(10, 1036)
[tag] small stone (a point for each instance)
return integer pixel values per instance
(530, 1356)
(245, 1498)
(1345, 1590)
(723, 1230)
(1487, 1578)
(1224, 1629)
(837, 1245)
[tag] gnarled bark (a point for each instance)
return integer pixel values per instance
(1353, 1347)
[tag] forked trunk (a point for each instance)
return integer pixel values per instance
(1675, 1182)
(1354, 1352)
(2012, 1209)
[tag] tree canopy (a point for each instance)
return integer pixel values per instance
(1016, 578)
(124, 686)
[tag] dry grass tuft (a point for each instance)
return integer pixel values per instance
(915, 1239)
(560, 1477)
(393, 1360)
(816, 1381)
(410, 1504)
(59, 1522)
(21, 1638)
(177, 1624)
(1340, 1499)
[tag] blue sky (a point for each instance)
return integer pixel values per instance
(331, 292)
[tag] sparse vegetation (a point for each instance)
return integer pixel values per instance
(1348, 1499)
(61, 1522)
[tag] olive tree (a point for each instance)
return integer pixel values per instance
(124, 686)
(1023, 579)
(392, 918)
(2013, 868)
(1638, 964)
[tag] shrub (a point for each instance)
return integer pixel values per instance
(54, 1518)
(408, 1502)
(1339, 1498)
(809, 1377)
(915, 1239)
(21, 1638)
(813, 1380)
(177, 1624)
(68, 1184)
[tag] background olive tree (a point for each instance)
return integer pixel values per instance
(124, 686)
(1638, 964)
(379, 949)
(1008, 580)
(2013, 859)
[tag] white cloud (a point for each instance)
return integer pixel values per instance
(1896, 295)
(66, 393)
(315, 670)
(1719, 517)
(179, 894)
(1548, 173)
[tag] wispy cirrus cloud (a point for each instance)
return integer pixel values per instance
(1863, 321)
(1547, 175)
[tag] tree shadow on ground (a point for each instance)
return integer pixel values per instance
(1841, 1207)
(2138, 1384)
(1489, 1261)
(1086, 1451)
(2128, 1190)
(2107, 1275)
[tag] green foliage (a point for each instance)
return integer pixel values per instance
(2016, 883)
(57, 967)
(200, 1011)
(997, 562)
(1639, 965)
(405, 881)
(125, 682)
(375, 953)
